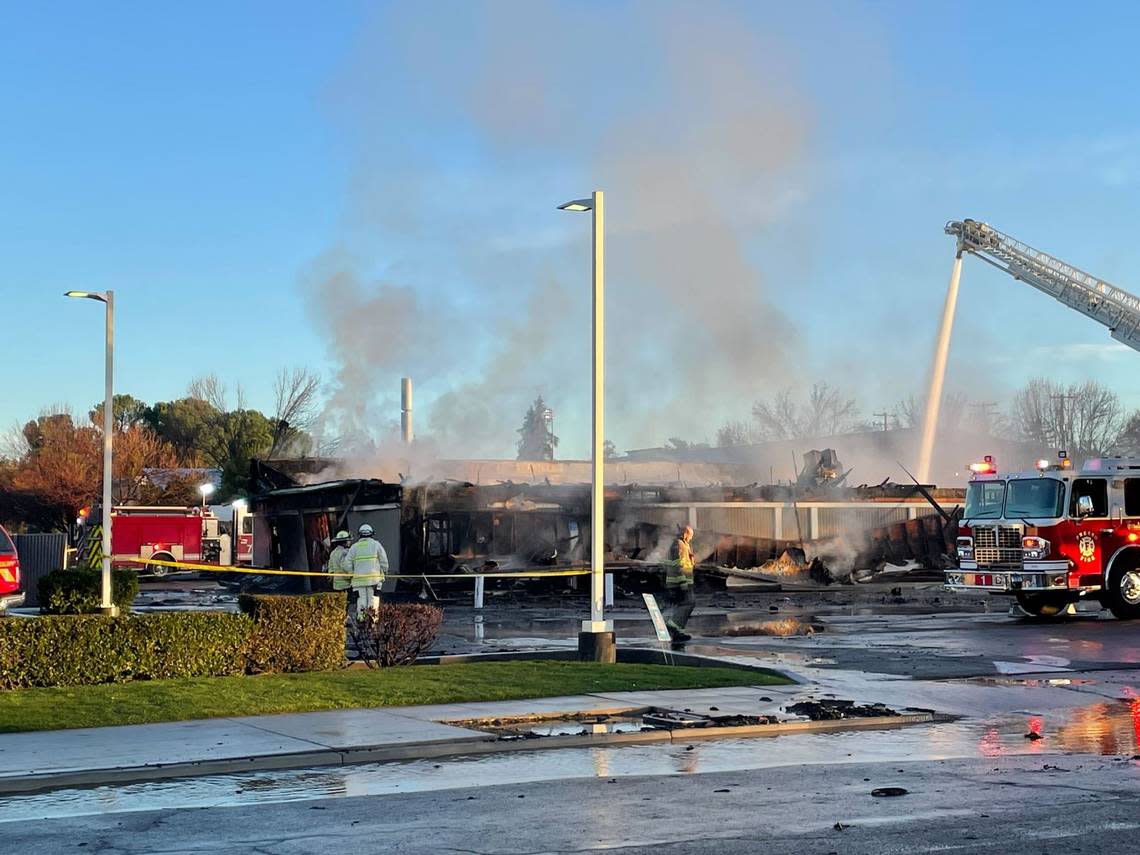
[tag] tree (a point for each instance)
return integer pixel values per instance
(205, 432)
(953, 414)
(139, 451)
(1128, 443)
(609, 450)
(295, 399)
(536, 436)
(183, 423)
(126, 411)
(825, 412)
(735, 433)
(1084, 419)
(62, 470)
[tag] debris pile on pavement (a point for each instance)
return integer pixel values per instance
(836, 710)
(585, 724)
(781, 628)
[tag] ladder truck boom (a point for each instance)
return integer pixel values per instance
(1104, 303)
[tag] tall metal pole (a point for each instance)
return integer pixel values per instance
(597, 622)
(406, 410)
(106, 606)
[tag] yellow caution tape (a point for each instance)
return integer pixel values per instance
(223, 568)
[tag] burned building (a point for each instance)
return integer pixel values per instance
(454, 528)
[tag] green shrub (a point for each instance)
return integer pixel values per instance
(303, 633)
(80, 591)
(76, 650)
(277, 634)
(395, 634)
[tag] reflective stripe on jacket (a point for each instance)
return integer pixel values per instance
(337, 564)
(368, 562)
(679, 567)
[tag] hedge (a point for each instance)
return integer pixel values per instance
(75, 650)
(295, 633)
(78, 591)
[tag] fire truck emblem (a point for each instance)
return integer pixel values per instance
(1086, 543)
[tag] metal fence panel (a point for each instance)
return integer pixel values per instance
(39, 555)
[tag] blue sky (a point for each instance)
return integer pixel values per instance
(219, 165)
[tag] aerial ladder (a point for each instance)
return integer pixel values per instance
(1104, 303)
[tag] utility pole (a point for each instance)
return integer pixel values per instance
(884, 414)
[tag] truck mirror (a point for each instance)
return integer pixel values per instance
(1084, 506)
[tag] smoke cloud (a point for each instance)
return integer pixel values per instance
(691, 122)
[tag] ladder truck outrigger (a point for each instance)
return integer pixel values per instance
(1056, 534)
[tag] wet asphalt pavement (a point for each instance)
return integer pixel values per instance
(1040, 757)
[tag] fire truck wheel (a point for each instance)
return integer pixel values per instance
(1123, 594)
(1042, 605)
(158, 570)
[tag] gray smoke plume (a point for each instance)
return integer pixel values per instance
(682, 113)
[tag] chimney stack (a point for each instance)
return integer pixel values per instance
(406, 410)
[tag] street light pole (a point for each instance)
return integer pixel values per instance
(596, 640)
(108, 299)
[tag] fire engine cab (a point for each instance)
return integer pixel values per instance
(142, 535)
(1053, 536)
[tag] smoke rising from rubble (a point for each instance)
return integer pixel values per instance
(691, 123)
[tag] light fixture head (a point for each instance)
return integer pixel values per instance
(577, 205)
(206, 489)
(88, 295)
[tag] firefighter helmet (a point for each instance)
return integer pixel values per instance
(366, 530)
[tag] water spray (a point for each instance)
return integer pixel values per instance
(938, 372)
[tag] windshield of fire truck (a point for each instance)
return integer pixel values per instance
(984, 500)
(1034, 497)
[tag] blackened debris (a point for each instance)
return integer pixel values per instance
(836, 710)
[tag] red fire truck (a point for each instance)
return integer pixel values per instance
(141, 535)
(1053, 536)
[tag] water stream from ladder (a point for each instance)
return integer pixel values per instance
(938, 374)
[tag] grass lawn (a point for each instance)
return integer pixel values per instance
(211, 697)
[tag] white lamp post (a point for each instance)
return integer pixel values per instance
(596, 640)
(108, 299)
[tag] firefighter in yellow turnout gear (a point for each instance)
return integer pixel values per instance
(679, 584)
(368, 563)
(337, 561)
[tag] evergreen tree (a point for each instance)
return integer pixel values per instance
(536, 436)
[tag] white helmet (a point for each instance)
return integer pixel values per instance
(366, 530)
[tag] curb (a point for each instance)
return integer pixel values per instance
(481, 744)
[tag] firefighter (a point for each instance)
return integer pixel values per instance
(337, 563)
(368, 562)
(679, 584)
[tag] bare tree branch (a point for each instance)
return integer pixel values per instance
(295, 400)
(826, 412)
(212, 390)
(1084, 419)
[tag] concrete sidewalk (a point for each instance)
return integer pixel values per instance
(89, 756)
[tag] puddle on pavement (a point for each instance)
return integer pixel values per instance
(1108, 728)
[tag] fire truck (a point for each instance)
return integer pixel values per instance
(1054, 535)
(142, 535)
